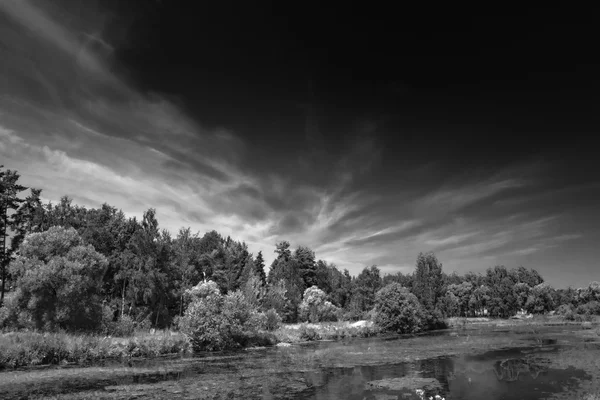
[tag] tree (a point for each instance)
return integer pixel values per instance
(406, 280)
(480, 300)
(398, 310)
(259, 268)
(540, 299)
(521, 292)
(9, 204)
(428, 283)
(502, 301)
(366, 285)
(58, 280)
(462, 293)
(185, 262)
(315, 307)
(285, 269)
(305, 260)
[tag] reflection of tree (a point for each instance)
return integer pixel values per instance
(510, 370)
(505, 370)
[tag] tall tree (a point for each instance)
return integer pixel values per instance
(305, 259)
(9, 204)
(284, 269)
(428, 283)
(366, 285)
(259, 268)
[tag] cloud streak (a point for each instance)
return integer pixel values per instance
(71, 124)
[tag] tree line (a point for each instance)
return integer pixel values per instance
(135, 269)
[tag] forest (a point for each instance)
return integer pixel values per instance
(68, 267)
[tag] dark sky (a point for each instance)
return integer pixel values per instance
(367, 133)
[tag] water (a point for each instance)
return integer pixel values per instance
(465, 365)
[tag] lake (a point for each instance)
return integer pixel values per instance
(486, 363)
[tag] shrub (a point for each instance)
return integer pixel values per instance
(272, 320)
(398, 310)
(435, 320)
(592, 308)
(124, 327)
(308, 333)
(564, 309)
(216, 322)
(315, 307)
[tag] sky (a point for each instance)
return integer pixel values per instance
(369, 135)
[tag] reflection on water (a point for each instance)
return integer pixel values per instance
(461, 378)
(327, 371)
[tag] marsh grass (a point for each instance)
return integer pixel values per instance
(20, 349)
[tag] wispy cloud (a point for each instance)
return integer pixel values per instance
(71, 124)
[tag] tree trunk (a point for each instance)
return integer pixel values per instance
(3, 258)
(123, 299)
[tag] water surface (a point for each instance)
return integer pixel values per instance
(480, 364)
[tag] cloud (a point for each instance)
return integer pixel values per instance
(71, 124)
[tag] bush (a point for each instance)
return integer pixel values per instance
(591, 308)
(564, 309)
(216, 322)
(272, 320)
(315, 308)
(398, 310)
(435, 320)
(124, 327)
(308, 333)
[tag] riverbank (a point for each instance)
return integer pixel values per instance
(535, 320)
(20, 349)
(464, 363)
(26, 349)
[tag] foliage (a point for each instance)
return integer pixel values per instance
(591, 308)
(272, 320)
(398, 310)
(147, 277)
(540, 299)
(428, 280)
(11, 211)
(308, 333)
(58, 280)
(522, 292)
(285, 271)
(316, 308)
(216, 322)
(461, 294)
(259, 268)
(366, 285)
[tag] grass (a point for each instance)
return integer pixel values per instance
(19, 349)
(298, 333)
(536, 320)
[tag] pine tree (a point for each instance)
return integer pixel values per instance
(259, 268)
(9, 204)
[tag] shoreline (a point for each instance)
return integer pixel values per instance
(32, 350)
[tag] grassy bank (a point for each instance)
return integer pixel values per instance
(536, 320)
(18, 349)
